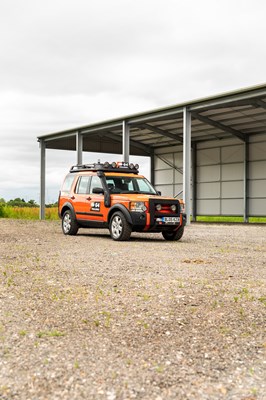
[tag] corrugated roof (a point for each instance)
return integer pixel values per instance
(240, 113)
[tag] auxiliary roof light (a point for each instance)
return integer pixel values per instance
(114, 164)
(106, 164)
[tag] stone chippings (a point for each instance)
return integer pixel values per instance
(85, 317)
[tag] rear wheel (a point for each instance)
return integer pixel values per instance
(173, 235)
(119, 227)
(69, 223)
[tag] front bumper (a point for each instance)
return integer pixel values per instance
(146, 222)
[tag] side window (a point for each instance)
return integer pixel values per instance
(110, 183)
(95, 182)
(68, 183)
(83, 185)
(130, 184)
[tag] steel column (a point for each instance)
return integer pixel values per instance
(79, 147)
(187, 161)
(152, 166)
(194, 182)
(42, 180)
(126, 141)
(245, 181)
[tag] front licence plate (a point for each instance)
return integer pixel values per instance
(171, 220)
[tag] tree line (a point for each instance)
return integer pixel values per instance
(18, 202)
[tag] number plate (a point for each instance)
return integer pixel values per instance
(171, 220)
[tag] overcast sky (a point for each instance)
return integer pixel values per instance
(66, 63)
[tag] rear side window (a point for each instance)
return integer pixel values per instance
(83, 185)
(68, 183)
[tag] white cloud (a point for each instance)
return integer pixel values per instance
(67, 63)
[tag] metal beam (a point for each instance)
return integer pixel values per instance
(187, 160)
(126, 141)
(140, 146)
(155, 115)
(260, 103)
(245, 181)
(161, 132)
(152, 159)
(42, 179)
(194, 182)
(229, 100)
(172, 165)
(101, 128)
(220, 126)
(79, 147)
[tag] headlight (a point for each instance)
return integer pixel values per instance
(173, 207)
(182, 208)
(158, 207)
(138, 206)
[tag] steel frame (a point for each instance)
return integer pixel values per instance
(153, 136)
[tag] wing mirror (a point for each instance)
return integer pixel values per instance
(98, 190)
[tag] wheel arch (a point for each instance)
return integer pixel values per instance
(121, 208)
(66, 207)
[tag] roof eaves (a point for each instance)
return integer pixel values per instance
(194, 105)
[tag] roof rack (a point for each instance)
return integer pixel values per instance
(119, 166)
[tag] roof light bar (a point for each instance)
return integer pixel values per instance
(120, 166)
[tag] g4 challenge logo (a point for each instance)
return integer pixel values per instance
(95, 206)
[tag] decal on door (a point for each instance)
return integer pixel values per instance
(95, 206)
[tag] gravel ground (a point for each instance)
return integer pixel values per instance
(85, 317)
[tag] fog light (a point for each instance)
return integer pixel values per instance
(173, 207)
(158, 207)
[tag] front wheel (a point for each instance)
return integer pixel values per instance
(173, 235)
(119, 227)
(69, 223)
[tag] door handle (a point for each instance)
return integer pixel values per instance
(72, 197)
(88, 198)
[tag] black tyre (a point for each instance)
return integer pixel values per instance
(173, 235)
(69, 223)
(119, 227)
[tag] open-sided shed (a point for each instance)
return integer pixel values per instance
(210, 151)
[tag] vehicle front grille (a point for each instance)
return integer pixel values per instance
(166, 209)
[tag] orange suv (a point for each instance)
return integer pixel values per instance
(114, 196)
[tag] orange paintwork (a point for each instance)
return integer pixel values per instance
(83, 204)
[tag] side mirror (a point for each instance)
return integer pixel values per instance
(98, 190)
(159, 193)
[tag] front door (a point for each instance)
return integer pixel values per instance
(81, 198)
(95, 201)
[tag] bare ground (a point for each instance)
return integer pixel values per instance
(88, 318)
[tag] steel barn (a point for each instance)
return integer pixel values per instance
(210, 151)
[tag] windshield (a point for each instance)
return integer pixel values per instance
(124, 184)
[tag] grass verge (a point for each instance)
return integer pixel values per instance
(27, 212)
(218, 218)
